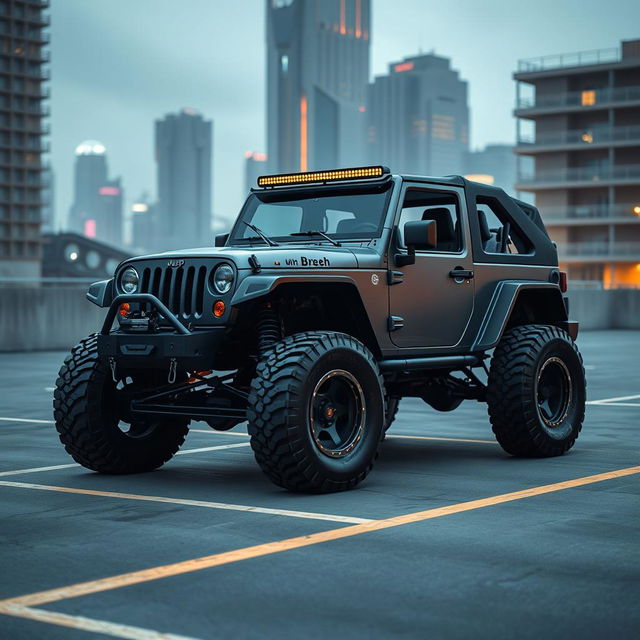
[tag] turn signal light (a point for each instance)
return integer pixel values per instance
(124, 309)
(218, 308)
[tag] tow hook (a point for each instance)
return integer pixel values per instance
(173, 364)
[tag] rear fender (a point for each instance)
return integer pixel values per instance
(515, 303)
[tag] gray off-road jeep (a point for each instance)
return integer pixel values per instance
(335, 295)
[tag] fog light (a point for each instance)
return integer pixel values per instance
(124, 309)
(218, 308)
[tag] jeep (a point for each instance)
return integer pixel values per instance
(335, 294)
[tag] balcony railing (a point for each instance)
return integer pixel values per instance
(587, 98)
(583, 137)
(592, 211)
(583, 174)
(576, 59)
(610, 249)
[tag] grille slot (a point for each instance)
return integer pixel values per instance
(181, 289)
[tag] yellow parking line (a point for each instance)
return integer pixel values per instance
(187, 502)
(112, 629)
(206, 562)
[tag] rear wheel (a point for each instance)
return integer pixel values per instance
(316, 412)
(536, 391)
(92, 417)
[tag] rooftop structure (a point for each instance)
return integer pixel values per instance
(579, 120)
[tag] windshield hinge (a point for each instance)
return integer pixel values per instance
(394, 277)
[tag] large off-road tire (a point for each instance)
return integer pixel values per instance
(317, 412)
(87, 410)
(536, 391)
(392, 408)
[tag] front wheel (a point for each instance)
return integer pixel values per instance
(317, 412)
(536, 391)
(92, 417)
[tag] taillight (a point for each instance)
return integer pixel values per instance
(563, 281)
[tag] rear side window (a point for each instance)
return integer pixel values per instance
(498, 232)
(442, 207)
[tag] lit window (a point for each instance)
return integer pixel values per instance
(284, 63)
(588, 98)
(483, 178)
(587, 137)
(443, 127)
(636, 210)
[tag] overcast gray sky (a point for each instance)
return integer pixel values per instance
(119, 64)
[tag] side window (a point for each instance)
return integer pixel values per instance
(440, 206)
(498, 232)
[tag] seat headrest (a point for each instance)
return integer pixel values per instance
(347, 226)
(485, 232)
(444, 223)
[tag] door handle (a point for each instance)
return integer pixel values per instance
(461, 274)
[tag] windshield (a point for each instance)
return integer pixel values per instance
(343, 213)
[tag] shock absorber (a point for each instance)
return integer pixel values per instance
(269, 328)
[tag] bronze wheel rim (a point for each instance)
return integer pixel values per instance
(337, 413)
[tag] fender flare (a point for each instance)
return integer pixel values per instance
(101, 293)
(258, 286)
(501, 306)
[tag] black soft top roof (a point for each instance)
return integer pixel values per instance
(528, 209)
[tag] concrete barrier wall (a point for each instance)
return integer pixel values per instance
(48, 318)
(606, 309)
(45, 318)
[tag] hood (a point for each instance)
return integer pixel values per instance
(289, 256)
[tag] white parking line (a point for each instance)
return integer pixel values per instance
(307, 515)
(618, 401)
(404, 437)
(17, 472)
(216, 448)
(112, 629)
(5, 419)
(69, 466)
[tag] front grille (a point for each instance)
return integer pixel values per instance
(181, 289)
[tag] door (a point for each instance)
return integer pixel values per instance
(433, 300)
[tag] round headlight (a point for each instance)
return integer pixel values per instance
(223, 278)
(129, 280)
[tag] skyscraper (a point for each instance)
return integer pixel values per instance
(255, 165)
(183, 155)
(418, 118)
(96, 211)
(317, 74)
(579, 122)
(144, 225)
(23, 54)
(495, 164)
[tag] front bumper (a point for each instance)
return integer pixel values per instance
(192, 350)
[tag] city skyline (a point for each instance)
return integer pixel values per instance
(112, 94)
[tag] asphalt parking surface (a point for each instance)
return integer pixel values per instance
(548, 563)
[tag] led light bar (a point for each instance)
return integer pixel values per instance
(322, 176)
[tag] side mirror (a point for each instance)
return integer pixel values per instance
(221, 239)
(421, 234)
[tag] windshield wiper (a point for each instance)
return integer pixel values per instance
(317, 233)
(268, 240)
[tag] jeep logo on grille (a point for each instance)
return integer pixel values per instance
(176, 263)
